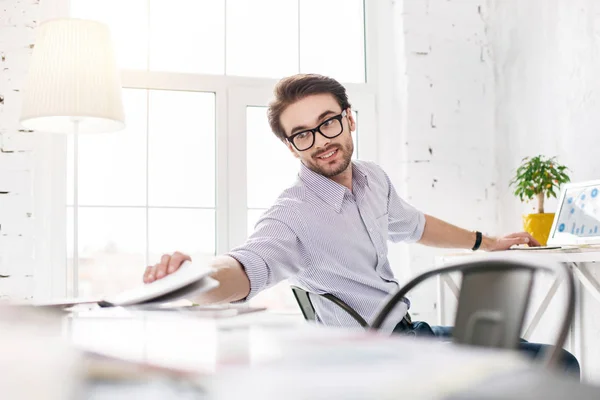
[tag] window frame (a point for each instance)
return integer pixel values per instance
(232, 94)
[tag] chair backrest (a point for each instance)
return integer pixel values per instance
(305, 304)
(308, 310)
(491, 307)
(493, 301)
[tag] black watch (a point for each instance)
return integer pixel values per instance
(478, 239)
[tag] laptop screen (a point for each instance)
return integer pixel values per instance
(578, 217)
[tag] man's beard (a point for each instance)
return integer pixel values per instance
(347, 154)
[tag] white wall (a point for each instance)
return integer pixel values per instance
(448, 141)
(527, 75)
(18, 19)
(547, 67)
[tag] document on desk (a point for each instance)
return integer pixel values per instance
(526, 248)
(189, 280)
(215, 311)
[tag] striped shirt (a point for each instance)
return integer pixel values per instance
(325, 238)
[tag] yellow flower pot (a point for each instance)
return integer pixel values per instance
(538, 225)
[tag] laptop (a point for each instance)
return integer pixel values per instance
(577, 219)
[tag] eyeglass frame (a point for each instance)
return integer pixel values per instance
(314, 131)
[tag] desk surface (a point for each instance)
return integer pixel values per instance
(581, 254)
(272, 357)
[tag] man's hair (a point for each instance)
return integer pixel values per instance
(296, 87)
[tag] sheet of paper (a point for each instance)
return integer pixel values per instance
(185, 281)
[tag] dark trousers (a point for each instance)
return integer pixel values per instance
(423, 329)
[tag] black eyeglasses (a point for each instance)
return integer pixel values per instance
(329, 128)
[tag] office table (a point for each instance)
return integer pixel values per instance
(266, 356)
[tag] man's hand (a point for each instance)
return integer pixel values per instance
(234, 284)
(167, 265)
(506, 242)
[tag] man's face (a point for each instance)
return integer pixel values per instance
(309, 113)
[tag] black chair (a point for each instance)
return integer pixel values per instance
(493, 300)
(306, 306)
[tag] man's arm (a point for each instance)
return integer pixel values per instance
(406, 224)
(233, 281)
(438, 233)
(234, 284)
(272, 253)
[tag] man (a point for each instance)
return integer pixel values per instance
(328, 232)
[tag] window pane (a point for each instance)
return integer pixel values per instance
(271, 167)
(112, 166)
(262, 38)
(186, 230)
(128, 23)
(187, 36)
(253, 216)
(332, 39)
(181, 149)
(112, 249)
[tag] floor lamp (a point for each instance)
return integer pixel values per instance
(73, 86)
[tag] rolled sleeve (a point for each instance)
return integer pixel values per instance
(419, 224)
(272, 253)
(256, 270)
(405, 222)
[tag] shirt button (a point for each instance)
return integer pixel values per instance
(381, 255)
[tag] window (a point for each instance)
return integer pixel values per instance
(197, 163)
(254, 38)
(266, 156)
(144, 191)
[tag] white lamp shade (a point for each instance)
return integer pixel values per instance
(73, 77)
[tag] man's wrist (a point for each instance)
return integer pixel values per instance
(486, 243)
(477, 241)
(481, 242)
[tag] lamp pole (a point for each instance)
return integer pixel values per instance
(75, 207)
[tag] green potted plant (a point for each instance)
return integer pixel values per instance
(539, 177)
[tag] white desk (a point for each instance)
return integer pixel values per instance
(576, 258)
(274, 357)
(174, 356)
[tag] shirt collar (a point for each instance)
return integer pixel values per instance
(359, 176)
(329, 191)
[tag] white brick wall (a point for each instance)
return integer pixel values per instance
(526, 76)
(547, 68)
(18, 19)
(547, 63)
(449, 109)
